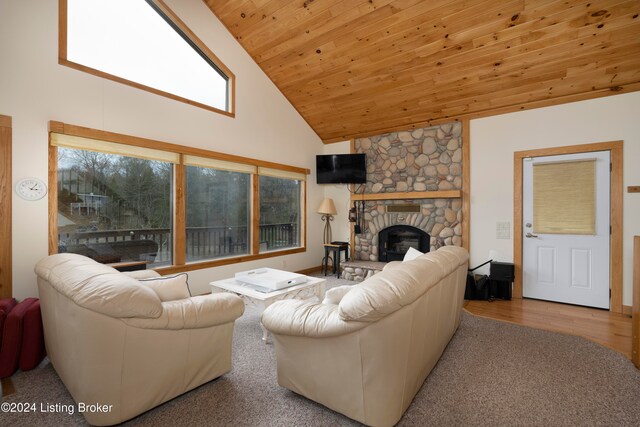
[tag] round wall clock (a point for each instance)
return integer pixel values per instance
(31, 188)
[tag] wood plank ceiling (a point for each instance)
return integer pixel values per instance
(364, 67)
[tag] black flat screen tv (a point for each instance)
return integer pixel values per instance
(341, 169)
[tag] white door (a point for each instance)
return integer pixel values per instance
(566, 234)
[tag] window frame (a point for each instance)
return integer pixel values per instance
(302, 196)
(248, 199)
(179, 196)
(177, 23)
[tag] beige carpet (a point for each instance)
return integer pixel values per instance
(491, 374)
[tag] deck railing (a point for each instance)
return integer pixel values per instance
(202, 242)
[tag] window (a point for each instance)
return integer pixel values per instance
(142, 43)
(280, 210)
(218, 206)
(111, 207)
(119, 200)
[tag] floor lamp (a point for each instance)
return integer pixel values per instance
(327, 209)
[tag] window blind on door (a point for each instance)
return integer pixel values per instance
(564, 197)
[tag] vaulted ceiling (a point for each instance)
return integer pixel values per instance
(364, 67)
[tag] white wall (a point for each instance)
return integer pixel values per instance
(340, 227)
(495, 139)
(35, 89)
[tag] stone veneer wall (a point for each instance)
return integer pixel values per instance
(426, 159)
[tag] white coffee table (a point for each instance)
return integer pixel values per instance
(314, 287)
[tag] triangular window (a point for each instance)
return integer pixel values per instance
(144, 44)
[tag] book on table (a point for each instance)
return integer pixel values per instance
(269, 279)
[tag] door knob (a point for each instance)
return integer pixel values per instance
(530, 235)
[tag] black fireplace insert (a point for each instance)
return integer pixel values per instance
(395, 241)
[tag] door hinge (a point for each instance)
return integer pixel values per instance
(610, 167)
(610, 230)
(609, 292)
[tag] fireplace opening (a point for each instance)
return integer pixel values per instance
(395, 241)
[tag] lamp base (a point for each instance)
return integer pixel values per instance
(327, 228)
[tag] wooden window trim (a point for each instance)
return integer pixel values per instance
(255, 218)
(198, 265)
(466, 184)
(6, 260)
(635, 308)
(84, 132)
(179, 193)
(616, 251)
(231, 85)
(180, 213)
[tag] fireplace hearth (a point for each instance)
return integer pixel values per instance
(395, 241)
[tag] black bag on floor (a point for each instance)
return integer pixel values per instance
(477, 288)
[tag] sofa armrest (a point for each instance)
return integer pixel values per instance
(142, 274)
(192, 313)
(310, 319)
(391, 265)
(335, 295)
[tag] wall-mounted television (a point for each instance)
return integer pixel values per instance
(341, 169)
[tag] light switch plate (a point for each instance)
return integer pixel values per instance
(503, 230)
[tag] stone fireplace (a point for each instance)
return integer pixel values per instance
(418, 161)
(395, 241)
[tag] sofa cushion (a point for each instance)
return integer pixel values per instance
(335, 295)
(98, 287)
(411, 254)
(448, 258)
(169, 288)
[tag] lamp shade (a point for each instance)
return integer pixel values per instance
(327, 207)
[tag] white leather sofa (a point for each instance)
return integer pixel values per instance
(368, 356)
(114, 342)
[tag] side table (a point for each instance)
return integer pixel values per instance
(336, 249)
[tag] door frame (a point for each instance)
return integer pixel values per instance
(6, 193)
(615, 254)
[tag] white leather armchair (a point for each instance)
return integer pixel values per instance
(368, 356)
(113, 341)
